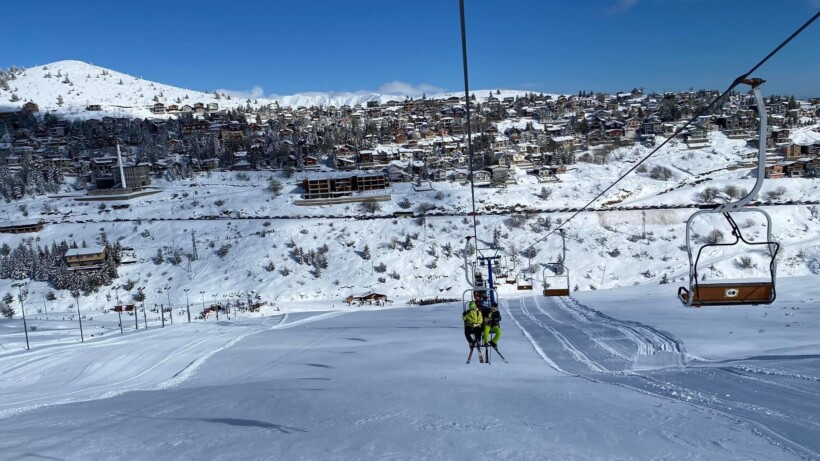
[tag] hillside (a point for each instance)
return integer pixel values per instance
(80, 84)
(420, 257)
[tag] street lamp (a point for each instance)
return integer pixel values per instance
(203, 305)
(23, 308)
(217, 309)
(187, 304)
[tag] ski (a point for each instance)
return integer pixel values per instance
(480, 356)
(469, 357)
(487, 353)
(499, 354)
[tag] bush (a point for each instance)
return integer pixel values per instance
(661, 173)
(275, 187)
(404, 203)
(715, 236)
(223, 250)
(381, 268)
(708, 195)
(370, 207)
(7, 311)
(735, 192)
(745, 262)
(776, 194)
(424, 207)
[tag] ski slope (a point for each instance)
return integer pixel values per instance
(614, 374)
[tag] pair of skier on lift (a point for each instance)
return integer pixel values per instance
(484, 323)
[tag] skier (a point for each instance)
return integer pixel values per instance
(492, 325)
(472, 324)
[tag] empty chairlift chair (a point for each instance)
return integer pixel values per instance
(742, 292)
(523, 282)
(556, 275)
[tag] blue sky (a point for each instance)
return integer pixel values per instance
(285, 47)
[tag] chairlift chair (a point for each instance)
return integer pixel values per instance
(559, 271)
(477, 295)
(483, 290)
(725, 292)
(558, 283)
(523, 282)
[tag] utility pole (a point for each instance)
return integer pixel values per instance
(187, 304)
(79, 315)
(194, 255)
(170, 309)
(204, 317)
(643, 235)
(23, 309)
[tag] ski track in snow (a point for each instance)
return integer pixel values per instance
(776, 404)
(160, 373)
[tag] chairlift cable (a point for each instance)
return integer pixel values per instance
(469, 128)
(677, 132)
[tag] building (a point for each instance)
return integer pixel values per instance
(135, 175)
(19, 227)
(342, 184)
(86, 258)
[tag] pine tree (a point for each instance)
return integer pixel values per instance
(366, 253)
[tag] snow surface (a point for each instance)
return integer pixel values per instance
(392, 384)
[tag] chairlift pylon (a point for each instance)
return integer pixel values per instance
(725, 292)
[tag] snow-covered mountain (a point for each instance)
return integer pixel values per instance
(78, 84)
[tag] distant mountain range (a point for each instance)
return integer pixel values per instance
(68, 87)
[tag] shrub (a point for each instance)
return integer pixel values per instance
(274, 186)
(745, 262)
(709, 194)
(776, 194)
(370, 207)
(404, 203)
(715, 236)
(223, 250)
(735, 192)
(661, 173)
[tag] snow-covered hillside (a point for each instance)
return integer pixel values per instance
(263, 234)
(80, 84)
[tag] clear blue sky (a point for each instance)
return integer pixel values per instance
(285, 47)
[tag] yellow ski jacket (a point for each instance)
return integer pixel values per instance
(472, 318)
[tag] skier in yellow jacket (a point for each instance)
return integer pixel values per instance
(473, 321)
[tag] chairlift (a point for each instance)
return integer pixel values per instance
(726, 292)
(523, 282)
(481, 296)
(557, 284)
(473, 272)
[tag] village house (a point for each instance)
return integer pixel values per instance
(86, 258)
